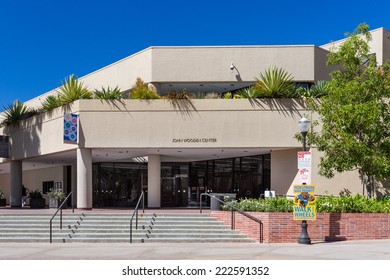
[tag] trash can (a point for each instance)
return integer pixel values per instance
(215, 204)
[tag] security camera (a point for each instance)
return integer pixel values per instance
(231, 66)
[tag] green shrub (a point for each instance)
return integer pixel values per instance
(276, 204)
(325, 204)
(140, 90)
(352, 204)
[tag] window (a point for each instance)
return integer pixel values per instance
(47, 185)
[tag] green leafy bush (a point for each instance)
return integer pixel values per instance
(277, 204)
(325, 204)
(352, 204)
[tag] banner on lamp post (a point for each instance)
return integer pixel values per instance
(304, 208)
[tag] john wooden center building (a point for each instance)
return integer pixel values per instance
(174, 150)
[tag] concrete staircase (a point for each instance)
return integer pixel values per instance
(94, 228)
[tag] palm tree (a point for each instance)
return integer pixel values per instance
(72, 90)
(108, 94)
(275, 83)
(51, 102)
(13, 114)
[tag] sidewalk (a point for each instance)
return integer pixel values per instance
(346, 250)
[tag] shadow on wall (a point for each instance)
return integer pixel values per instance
(286, 106)
(334, 228)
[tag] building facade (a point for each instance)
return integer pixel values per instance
(175, 149)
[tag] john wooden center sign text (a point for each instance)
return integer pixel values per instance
(194, 140)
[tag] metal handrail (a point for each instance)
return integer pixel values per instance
(60, 209)
(233, 210)
(135, 212)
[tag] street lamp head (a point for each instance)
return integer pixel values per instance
(304, 125)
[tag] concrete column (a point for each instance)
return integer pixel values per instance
(154, 179)
(84, 178)
(74, 182)
(16, 183)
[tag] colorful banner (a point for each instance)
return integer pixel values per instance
(304, 208)
(70, 128)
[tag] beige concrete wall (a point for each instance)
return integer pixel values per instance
(212, 64)
(284, 170)
(346, 180)
(154, 124)
(285, 173)
(4, 185)
(39, 135)
(33, 179)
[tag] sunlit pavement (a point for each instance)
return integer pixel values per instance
(345, 250)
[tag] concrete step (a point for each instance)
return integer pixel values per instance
(90, 227)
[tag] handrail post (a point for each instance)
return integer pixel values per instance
(143, 202)
(136, 219)
(201, 195)
(61, 218)
(261, 233)
(72, 201)
(51, 231)
(131, 231)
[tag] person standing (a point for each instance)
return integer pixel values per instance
(24, 195)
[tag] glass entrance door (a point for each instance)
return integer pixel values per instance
(174, 184)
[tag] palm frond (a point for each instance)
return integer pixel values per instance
(16, 112)
(72, 89)
(274, 83)
(248, 93)
(51, 102)
(108, 93)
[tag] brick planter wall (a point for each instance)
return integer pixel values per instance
(281, 228)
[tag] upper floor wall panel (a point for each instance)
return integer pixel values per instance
(205, 64)
(213, 64)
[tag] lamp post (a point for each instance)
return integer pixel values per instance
(304, 125)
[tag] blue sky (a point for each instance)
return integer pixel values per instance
(44, 41)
